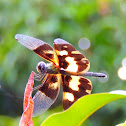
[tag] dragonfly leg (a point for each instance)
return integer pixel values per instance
(44, 80)
(39, 76)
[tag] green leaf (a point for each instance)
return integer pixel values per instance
(83, 108)
(122, 124)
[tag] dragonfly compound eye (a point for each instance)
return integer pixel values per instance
(41, 67)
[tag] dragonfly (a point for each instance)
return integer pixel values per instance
(66, 65)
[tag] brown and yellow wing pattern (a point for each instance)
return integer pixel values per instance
(40, 47)
(74, 87)
(47, 94)
(70, 59)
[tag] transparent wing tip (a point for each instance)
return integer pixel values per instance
(18, 36)
(60, 41)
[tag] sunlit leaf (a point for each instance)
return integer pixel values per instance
(122, 124)
(83, 108)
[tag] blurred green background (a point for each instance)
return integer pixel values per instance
(99, 25)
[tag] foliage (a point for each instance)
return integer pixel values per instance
(102, 23)
(76, 114)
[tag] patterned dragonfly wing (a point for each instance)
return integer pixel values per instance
(70, 59)
(40, 47)
(47, 94)
(74, 87)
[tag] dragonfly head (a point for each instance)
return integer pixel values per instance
(41, 67)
